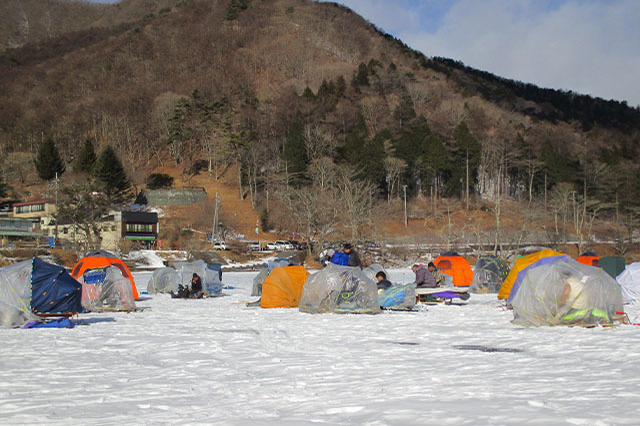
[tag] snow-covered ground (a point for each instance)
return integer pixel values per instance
(215, 361)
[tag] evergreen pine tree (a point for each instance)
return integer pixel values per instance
(308, 95)
(362, 77)
(48, 161)
(86, 159)
(111, 175)
(295, 154)
(3, 186)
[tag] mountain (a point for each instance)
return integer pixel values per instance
(240, 81)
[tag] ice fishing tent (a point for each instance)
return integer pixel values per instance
(589, 258)
(106, 289)
(102, 259)
(216, 267)
(629, 280)
(34, 288)
(510, 285)
(340, 289)
(211, 284)
(398, 297)
(371, 271)
(283, 287)
(164, 280)
(456, 266)
(612, 265)
(489, 274)
(566, 292)
(264, 273)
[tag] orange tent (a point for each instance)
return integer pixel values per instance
(283, 287)
(101, 259)
(589, 258)
(456, 266)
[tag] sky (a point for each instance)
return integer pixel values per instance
(587, 46)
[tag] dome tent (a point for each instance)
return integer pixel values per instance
(589, 258)
(340, 289)
(629, 280)
(264, 273)
(211, 284)
(106, 289)
(509, 287)
(566, 292)
(456, 266)
(102, 259)
(164, 280)
(34, 288)
(283, 287)
(489, 274)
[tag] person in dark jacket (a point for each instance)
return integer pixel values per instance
(437, 275)
(383, 282)
(354, 258)
(196, 286)
(424, 278)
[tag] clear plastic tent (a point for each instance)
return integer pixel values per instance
(629, 280)
(264, 273)
(106, 289)
(15, 295)
(211, 284)
(371, 271)
(489, 274)
(398, 297)
(164, 280)
(566, 292)
(341, 289)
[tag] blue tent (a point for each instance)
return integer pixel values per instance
(35, 288)
(53, 291)
(216, 267)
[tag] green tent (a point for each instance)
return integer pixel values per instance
(612, 265)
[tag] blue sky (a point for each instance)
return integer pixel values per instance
(588, 46)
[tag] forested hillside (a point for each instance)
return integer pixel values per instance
(320, 114)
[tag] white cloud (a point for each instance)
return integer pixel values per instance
(588, 46)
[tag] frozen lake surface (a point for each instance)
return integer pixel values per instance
(217, 361)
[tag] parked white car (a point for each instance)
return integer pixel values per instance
(272, 246)
(254, 246)
(282, 245)
(219, 245)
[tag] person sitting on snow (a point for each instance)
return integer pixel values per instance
(196, 286)
(383, 282)
(424, 278)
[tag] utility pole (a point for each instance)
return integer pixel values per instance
(55, 217)
(404, 188)
(216, 209)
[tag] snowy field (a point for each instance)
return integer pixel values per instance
(215, 361)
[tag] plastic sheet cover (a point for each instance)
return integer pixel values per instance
(629, 280)
(106, 289)
(164, 280)
(211, 284)
(371, 271)
(398, 297)
(340, 289)
(566, 292)
(264, 273)
(489, 274)
(15, 295)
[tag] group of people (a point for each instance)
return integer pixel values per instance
(190, 292)
(347, 257)
(428, 276)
